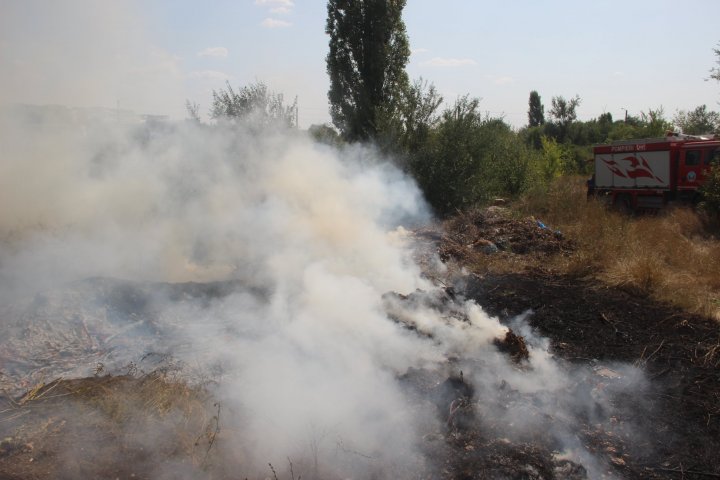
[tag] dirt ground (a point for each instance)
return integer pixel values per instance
(588, 325)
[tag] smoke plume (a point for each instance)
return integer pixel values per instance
(311, 315)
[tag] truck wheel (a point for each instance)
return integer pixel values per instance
(622, 204)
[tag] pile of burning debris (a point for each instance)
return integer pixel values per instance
(494, 229)
(479, 441)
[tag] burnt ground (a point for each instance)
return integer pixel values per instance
(587, 325)
(590, 324)
(679, 352)
(585, 322)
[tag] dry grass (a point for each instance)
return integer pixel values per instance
(108, 427)
(671, 256)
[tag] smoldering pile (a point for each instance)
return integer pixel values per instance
(445, 303)
(489, 425)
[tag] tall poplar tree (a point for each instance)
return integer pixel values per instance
(536, 111)
(366, 63)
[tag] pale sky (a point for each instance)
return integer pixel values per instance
(149, 56)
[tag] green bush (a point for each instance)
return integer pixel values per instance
(711, 192)
(448, 166)
(469, 158)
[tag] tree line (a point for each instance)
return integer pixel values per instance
(459, 155)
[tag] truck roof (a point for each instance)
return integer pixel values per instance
(657, 143)
(674, 137)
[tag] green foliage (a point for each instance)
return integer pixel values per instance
(469, 158)
(449, 167)
(510, 164)
(710, 192)
(325, 134)
(605, 119)
(592, 132)
(650, 124)
(536, 110)
(563, 113)
(418, 112)
(531, 136)
(406, 131)
(254, 105)
(366, 64)
(555, 160)
(698, 121)
(654, 123)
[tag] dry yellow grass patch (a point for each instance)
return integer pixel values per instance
(671, 256)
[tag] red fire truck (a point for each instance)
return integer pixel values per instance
(647, 174)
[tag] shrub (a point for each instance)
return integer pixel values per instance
(253, 105)
(711, 193)
(469, 158)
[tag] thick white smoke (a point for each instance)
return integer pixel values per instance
(310, 229)
(193, 204)
(305, 240)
